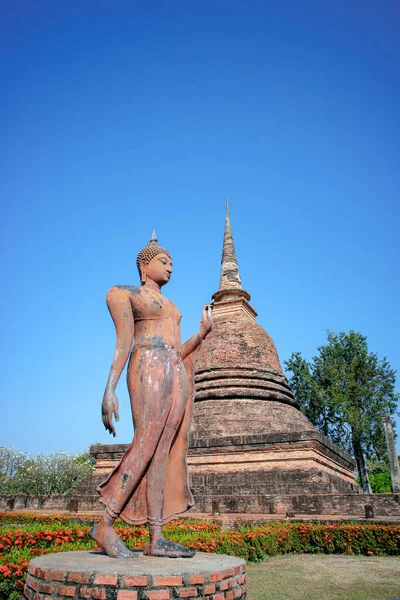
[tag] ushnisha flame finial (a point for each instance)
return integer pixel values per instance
(153, 237)
(230, 276)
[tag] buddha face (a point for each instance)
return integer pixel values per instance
(159, 269)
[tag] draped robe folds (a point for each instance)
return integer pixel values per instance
(177, 495)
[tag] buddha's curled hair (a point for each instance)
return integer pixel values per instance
(149, 252)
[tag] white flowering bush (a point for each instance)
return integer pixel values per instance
(44, 474)
(10, 461)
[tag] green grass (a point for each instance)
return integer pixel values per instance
(322, 577)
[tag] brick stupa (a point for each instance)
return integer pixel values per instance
(249, 440)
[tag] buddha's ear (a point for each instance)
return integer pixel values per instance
(143, 275)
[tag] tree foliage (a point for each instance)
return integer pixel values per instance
(344, 391)
(55, 473)
(379, 476)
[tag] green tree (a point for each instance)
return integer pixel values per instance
(344, 391)
(379, 476)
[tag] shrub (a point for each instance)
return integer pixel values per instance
(45, 474)
(379, 477)
(11, 460)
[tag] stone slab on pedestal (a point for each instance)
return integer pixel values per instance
(92, 575)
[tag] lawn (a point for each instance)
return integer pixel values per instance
(324, 577)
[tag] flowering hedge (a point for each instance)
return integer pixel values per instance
(44, 474)
(21, 518)
(29, 536)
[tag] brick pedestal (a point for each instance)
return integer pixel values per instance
(95, 576)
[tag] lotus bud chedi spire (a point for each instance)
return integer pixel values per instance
(230, 285)
(230, 276)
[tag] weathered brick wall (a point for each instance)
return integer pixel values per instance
(351, 505)
(107, 457)
(55, 502)
(266, 481)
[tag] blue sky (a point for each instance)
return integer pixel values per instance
(120, 117)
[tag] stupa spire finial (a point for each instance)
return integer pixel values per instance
(230, 277)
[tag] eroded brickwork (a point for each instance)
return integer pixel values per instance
(47, 584)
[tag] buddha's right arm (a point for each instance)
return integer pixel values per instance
(120, 308)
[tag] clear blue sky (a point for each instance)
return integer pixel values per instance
(120, 117)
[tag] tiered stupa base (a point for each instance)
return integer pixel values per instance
(93, 575)
(234, 481)
(244, 453)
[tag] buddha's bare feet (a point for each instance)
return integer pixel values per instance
(107, 539)
(163, 547)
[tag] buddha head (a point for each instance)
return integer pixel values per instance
(154, 262)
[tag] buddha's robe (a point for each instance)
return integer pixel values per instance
(177, 495)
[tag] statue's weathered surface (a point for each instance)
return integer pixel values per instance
(150, 484)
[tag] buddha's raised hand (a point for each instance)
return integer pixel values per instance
(206, 322)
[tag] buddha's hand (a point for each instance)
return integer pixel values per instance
(109, 407)
(206, 322)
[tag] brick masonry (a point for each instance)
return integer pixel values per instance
(306, 506)
(255, 505)
(225, 578)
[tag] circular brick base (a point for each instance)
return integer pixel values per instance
(95, 576)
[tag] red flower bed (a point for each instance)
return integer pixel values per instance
(42, 535)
